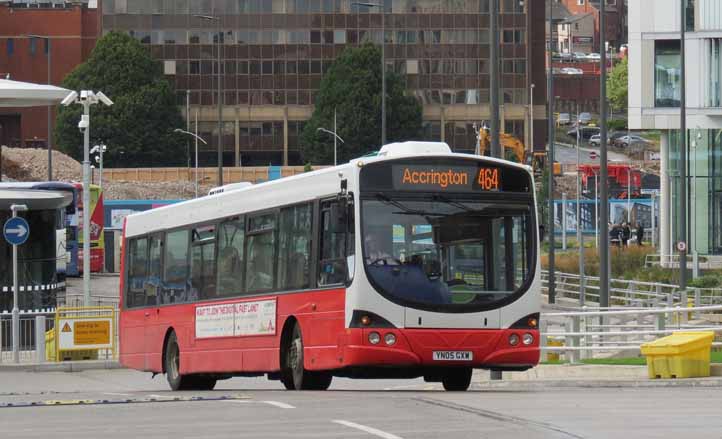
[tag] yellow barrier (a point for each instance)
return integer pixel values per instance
(80, 333)
(680, 355)
(553, 341)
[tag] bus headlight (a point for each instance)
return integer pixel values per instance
(389, 339)
(527, 339)
(513, 339)
(374, 338)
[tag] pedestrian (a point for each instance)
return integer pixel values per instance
(626, 234)
(640, 233)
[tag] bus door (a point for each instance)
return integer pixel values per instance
(151, 289)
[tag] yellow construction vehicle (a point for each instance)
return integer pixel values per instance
(508, 142)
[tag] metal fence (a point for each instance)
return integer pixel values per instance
(78, 300)
(626, 293)
(582, 334)
(34, 327)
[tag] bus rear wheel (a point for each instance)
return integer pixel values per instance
(294, 376)
(457, 380)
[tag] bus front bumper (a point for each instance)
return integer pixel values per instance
(479, 348)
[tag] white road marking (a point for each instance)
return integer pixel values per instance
(117, 394)
(282, 405)
(369, 430)
(160, 397)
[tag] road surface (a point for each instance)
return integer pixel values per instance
(140, 407)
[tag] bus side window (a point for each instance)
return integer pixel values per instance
(231, 238)
(137, 272)
(175, 267)
(332, 254)
(152, 281)
(203, 264)
(294, 247)
(260, 253)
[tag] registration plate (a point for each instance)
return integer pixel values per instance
(453, 355)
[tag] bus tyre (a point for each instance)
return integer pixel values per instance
(457, 380)
(295, 377)
(176, 381)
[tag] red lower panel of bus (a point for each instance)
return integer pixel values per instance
(328, 345)
(417, 347)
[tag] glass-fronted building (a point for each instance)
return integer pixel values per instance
(655, 93)
(275, 52)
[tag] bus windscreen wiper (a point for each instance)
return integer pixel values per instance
(405, 210)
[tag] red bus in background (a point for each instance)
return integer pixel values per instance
(97, 239)
(416, 262)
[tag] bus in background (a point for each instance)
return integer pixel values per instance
(416, 262)
(40, 278)
(97, 240)
(66, 231)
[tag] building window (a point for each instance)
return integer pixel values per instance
(10, 46)
(714, 72)
(667, 73)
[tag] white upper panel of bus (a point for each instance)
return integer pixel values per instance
(282, 192)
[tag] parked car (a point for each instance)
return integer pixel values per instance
(564, 119)
(595, 140)
(625, 141)
(571, 71)
(584, 132)
(613, 137)
(580, 56)
(594, 57)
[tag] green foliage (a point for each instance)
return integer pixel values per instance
(707, 281)
(617, 125)
(617, 86)
(307, 167)
(352, 86)
(138, 128)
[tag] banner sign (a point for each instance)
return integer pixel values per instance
(236, 319)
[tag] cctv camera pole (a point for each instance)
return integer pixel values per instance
(86, 202)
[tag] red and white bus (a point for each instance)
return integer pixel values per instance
(416, 262)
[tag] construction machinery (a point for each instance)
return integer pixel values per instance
(508, 143)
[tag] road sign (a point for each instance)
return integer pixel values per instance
(593, 155)
(681, 246)
(16, 231)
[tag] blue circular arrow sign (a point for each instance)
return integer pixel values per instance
(16, 231)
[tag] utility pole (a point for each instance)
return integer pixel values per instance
(683, 211)
(603, 171)
(495, 147)
(550, 158)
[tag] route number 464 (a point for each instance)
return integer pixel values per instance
(488, 179)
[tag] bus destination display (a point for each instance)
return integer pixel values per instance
(446, 178)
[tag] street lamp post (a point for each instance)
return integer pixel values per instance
(550, 158)
(335, 138)
(86, 98)
(197, 138)
(580, 234)
(50, 107)
(15, 208)
(383, 64)
(531, 121)
(217, 19)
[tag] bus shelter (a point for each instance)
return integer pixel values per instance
(37, 261)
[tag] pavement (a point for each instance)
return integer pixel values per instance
(124, 403)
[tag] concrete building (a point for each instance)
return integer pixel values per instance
(73, 28)
(654, 99)
(275, 53)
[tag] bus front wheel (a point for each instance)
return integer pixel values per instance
(457, 380)
(294, 375)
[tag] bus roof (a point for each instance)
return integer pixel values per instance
(276, 193)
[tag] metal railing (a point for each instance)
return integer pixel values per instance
(617, 330)
(632, 293)
(34, 326)
(77, 300)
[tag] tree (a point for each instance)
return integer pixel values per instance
(352, 86)
(138, 128)
(617, 86)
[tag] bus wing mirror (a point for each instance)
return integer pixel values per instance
(542, 232)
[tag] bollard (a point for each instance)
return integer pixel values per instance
(576, 327)
(40, 339)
